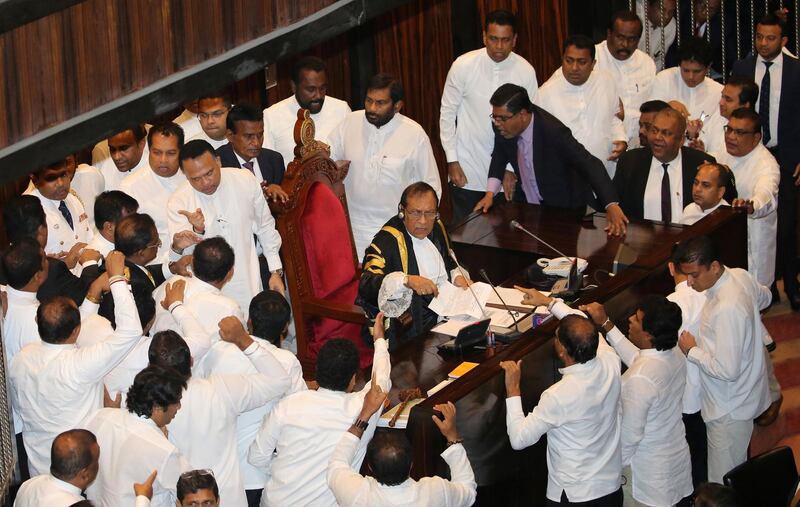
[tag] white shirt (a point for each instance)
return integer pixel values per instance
(87, 183)
(204, 429)
(713, 135)
(205, 137)
(589, 110)
(691, 303)
(702, 99)
(634, 78)
(653, 435)
(465, 128)
(757, 177)
(581, 416)
(652, 190)
(58, 387)
(775, 78)
(656, 47)
(304, 428)
(693, 213)
(131, 447)
(47, 490)
(729, 348)
(113, 176)
(152, 192)
(352, 489)
(19, 329)
(60, 236)
(235, 211)
(100, 244)
(279, 120)
(384, 161)
(190, 124)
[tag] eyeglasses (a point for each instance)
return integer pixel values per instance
(738, 132)
(213, 114)
(502, 119)
(154, 245)
(417, 214)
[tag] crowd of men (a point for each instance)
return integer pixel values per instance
(146, 323)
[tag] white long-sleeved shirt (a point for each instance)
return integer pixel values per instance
(383, 162)
(131, 447)
(47, 490)
(657, 49)
(57, 387)
(702, 99)
(352, 489)
(634, 78)
(304, 429)
(729, 348)
(202, 136)
(713, 135)
(225, 359)
(691, 304)
(653, 436)
(589, 110)
(279, 120)
(153, 192)
(581, 416)
(60, 236)
(204, 429)
(757, 177)
(100, 244)
(87, 183)
(189, 122)
(19, 329)
(236, 211)
(465, 128)
(112, 176)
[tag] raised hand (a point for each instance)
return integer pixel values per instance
(196, 219)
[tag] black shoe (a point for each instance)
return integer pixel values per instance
(794, 302)
(776, 295)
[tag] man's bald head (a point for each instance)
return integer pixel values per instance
(74, 457)
(579, 337)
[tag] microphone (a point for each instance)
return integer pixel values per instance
(517, 225)
(574, 279)
(466, 279)
(497, 293)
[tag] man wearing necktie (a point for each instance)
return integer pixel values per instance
(778, 77)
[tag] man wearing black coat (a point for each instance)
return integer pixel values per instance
(556, 169)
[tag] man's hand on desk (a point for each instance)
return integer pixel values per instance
(421, 285)
(533, 297)
(686, 341)
(513, 374)
(617, 221)
(485, 203)
(509, 185)
(447, 425)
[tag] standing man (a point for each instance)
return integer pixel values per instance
(128, 154)
(778, 78)
(728, 351)
(387, 152)
(586, 101)
(464, 125)
(550, 167)
(227, 202)
(212, 112)
(632, 69)
(662, 25)
(310, 91)
(738, 92)
(109, 208)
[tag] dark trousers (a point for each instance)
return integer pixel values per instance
(462, 201)
(786, 262)
(698, 446)
(22, 458)
(253, 497)
(611, 500)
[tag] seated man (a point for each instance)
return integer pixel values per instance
(197, 487)
(407, 260)
(109, 208)
(389, 459)
(647, 113)
(713, 187)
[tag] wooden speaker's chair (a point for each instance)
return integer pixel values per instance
(319, 255)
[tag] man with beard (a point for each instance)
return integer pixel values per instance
(387, 152)
(309, 87)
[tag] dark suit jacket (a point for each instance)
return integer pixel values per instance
(566, 173)
(270, 162)
(141, 287)
(61, 282)
(788, 110)
(633, 168)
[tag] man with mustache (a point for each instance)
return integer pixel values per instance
(632, 69)
(310, 91)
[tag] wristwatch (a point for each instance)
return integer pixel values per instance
(360, 424)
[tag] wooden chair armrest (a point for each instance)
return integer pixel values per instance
(346, 312)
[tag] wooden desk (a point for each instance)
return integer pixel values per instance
(487, 241)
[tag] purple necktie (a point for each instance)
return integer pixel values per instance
(249, 166)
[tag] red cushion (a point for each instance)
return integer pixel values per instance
(327, 242)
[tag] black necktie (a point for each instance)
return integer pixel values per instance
(62, 207)
(763, 105)
(666, 204)
(249, 166)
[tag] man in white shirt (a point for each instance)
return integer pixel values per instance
(632, 69)
(74, 465)
(68, 225)
(580, 413)
(153, 186)
(212, 113)
(210, 407)
(299, 435)
(56, 386)
(227, 202)
(188, 120)
(757, 178)
(134, 441)
(198, 488)
(389, 459)
(309, 85)
(465, 129)
(688, 83)
(586, 101)
(109, 208)
(653, 437)
(387, 152)
(712, 184)
(87, 182)
(738, 92)
(663, 28)
(728, 351)
(128, 154)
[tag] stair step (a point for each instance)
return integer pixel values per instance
(787, 423)
(786, 360)
(784, 328)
